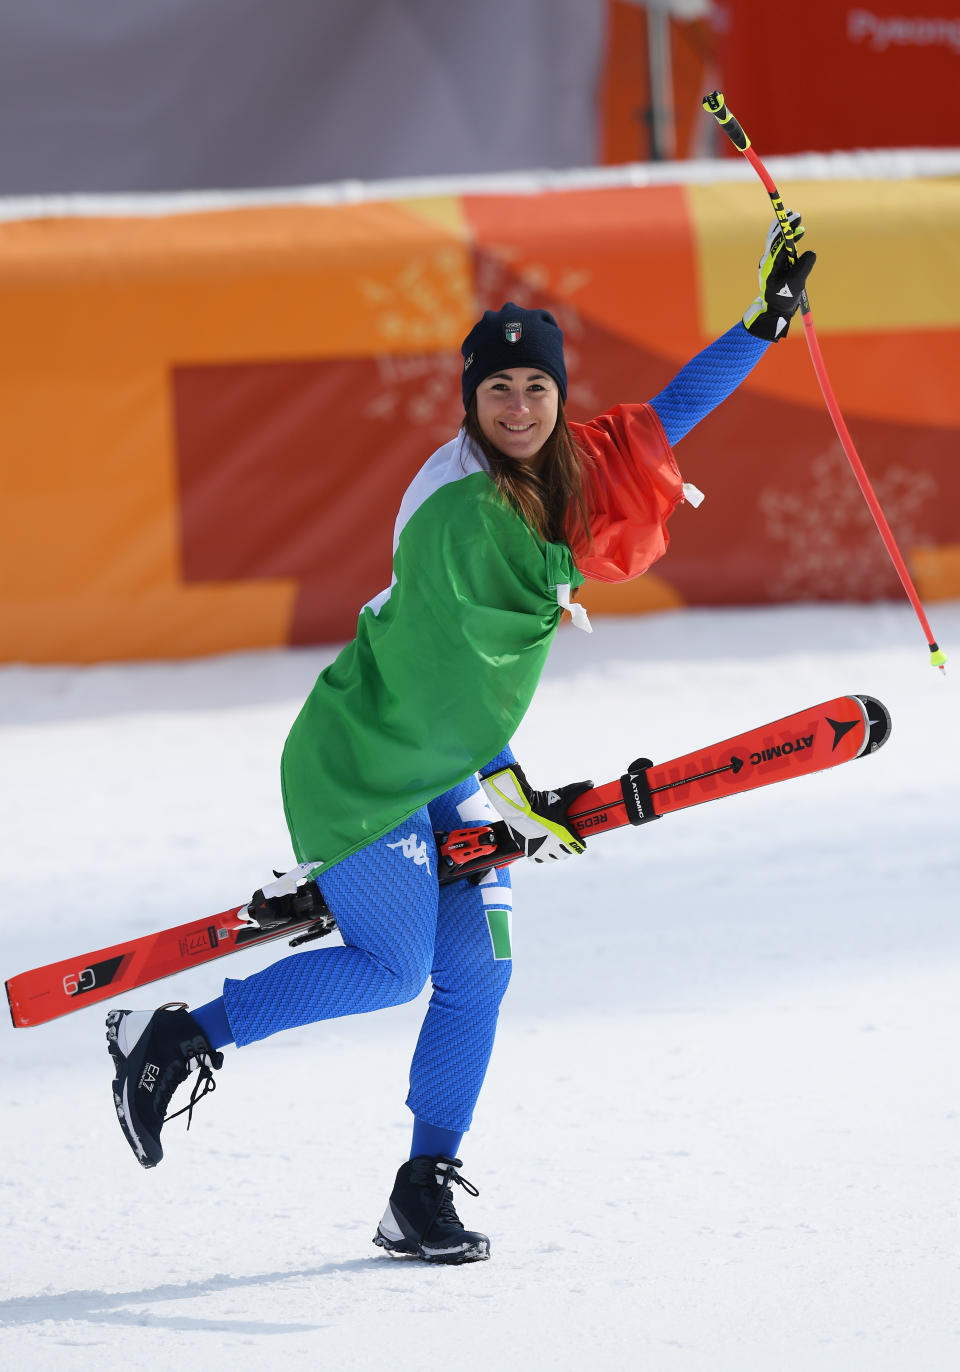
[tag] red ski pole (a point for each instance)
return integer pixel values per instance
(714, 104)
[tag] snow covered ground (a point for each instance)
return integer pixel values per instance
(722, 1125)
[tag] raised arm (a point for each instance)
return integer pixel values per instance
(706, 380)
(718, 370)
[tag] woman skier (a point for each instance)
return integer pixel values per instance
(407, 732)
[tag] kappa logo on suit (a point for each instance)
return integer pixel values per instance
(415, 849)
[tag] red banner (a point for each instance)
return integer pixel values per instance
(833, 75)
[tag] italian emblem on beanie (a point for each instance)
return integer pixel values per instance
(512, 337)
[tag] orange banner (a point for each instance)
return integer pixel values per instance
(209, 418)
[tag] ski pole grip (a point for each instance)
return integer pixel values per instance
(714, 104)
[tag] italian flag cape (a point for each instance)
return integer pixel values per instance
(445, 662)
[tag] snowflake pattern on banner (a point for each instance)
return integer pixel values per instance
(832, 545)
(422, 302)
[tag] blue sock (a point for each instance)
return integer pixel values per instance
(431, 1142)
(212, 1019)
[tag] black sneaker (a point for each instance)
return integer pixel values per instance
(154, 1052)
(420, 1221)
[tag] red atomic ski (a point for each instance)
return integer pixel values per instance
(811, 740)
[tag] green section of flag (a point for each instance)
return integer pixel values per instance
(434, 684)
(499, 922)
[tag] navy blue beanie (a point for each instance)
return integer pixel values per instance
(512, 337)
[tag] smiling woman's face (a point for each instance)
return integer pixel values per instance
(517, 411)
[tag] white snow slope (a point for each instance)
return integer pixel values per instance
(721, 1127)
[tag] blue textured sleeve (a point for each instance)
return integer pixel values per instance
(707, 379)
(503, 759)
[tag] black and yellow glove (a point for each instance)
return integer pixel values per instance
(537, 819)
(782, 283)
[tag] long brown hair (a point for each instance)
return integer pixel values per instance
(553, 500)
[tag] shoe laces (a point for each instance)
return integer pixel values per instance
(197, 1055)
(446, 1210)
(204, 1084)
